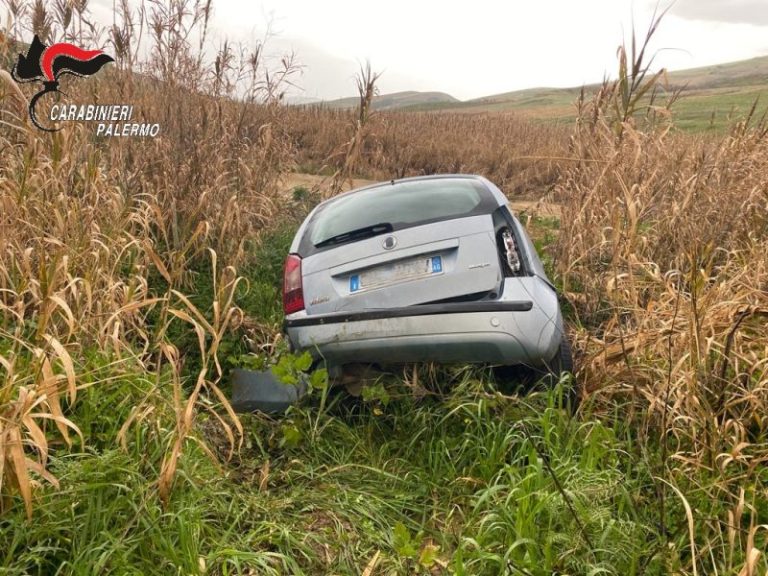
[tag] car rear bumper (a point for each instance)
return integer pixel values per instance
(498, 332)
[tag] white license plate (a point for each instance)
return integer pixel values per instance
(397, 272)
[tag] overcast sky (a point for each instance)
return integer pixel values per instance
(482, 47)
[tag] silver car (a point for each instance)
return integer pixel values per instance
(433, 268)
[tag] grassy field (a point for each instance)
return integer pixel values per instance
(135, 274)
(713, 98)
(699, 110)
(718, 108)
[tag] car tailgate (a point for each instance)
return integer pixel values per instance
(428, 263)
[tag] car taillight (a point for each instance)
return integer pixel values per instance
(293, 293)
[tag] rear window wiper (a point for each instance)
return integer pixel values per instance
(358, 234)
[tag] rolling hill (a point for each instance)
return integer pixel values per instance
(712, 95)
(395, 100)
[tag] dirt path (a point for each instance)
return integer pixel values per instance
(312, 181)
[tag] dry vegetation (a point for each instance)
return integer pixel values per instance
(102, 243)
(520, 156)
(663, 251)
(109, 249)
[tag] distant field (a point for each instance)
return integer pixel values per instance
(697, 110)
(715, 108)
(713, 97)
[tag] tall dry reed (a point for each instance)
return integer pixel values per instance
(663, 252)
(102, 240)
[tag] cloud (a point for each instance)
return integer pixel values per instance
(732, 11)
(327, 76)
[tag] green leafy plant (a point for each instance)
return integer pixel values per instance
(293, 369)
(376, 393)
(404, 542)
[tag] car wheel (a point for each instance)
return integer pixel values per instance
(563, 360)
(561, 364)
(516, 379)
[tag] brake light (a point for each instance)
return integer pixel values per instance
(293, 292)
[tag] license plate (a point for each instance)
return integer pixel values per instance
(397, 272)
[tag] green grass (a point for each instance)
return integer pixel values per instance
(460, 481)
(697, 111)
(718, 109)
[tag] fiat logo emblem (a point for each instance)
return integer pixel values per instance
(389, 242)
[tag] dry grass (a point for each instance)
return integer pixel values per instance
(664, 253)
(100, 240)
(520, 156)
(663, 248)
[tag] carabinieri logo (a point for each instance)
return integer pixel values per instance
(47, 64)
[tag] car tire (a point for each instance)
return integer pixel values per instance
(563, 360)
(516, 379)
(561, 364)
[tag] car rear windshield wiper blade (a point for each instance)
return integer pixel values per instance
(358, 234)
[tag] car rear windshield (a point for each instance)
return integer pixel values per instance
(400, 205)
